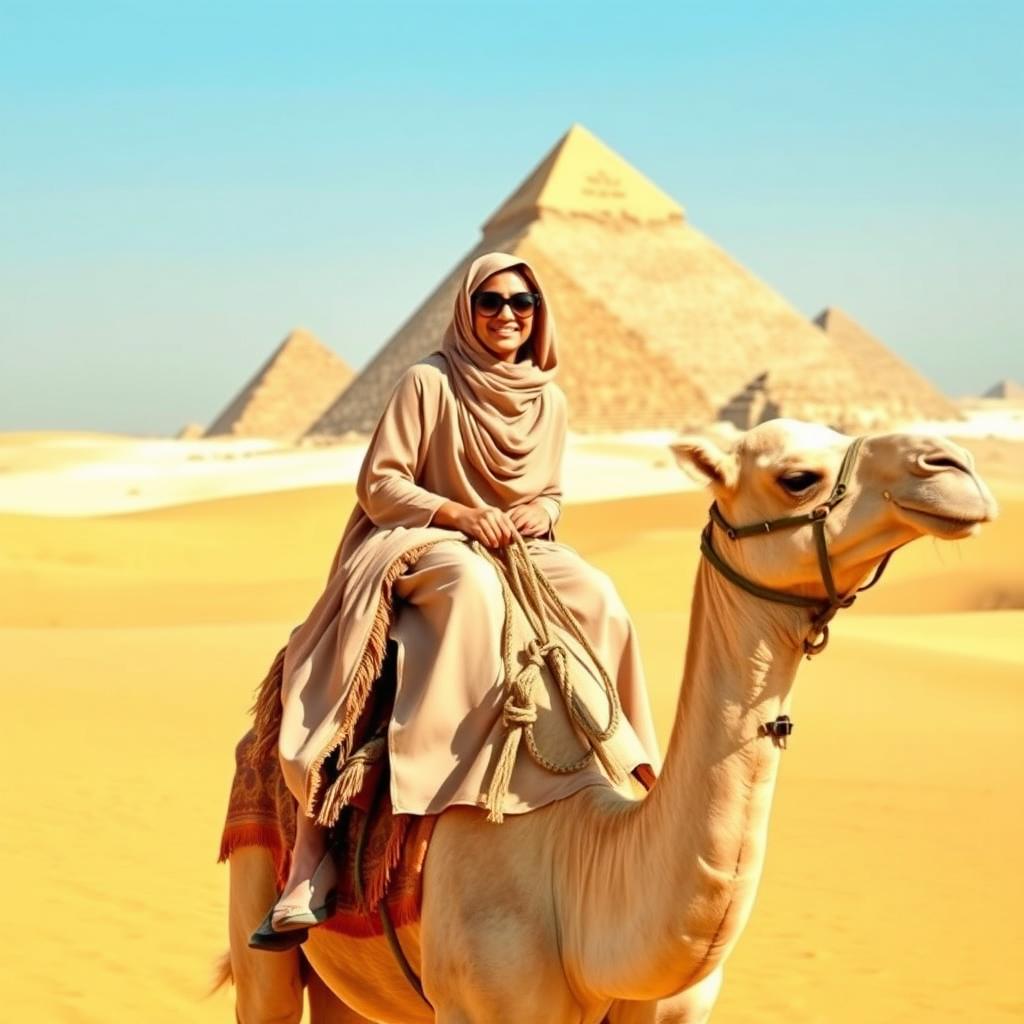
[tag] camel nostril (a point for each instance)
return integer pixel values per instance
(938, 461)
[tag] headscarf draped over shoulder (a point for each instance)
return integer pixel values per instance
(509, 423)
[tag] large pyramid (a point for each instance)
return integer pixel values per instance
(657, 326)
(289, 392)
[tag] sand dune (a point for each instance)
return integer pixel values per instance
(132, 643)
(66, 474)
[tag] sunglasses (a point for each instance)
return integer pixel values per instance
(522, 304)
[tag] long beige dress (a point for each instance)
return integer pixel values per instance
(452, 592)
(394, 575)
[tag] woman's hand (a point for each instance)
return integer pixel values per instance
(531, 520)
(488, 525)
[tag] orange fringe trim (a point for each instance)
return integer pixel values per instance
(392, 855)
(266, 711)
(268, 837)
(364, 925)
(237, 836)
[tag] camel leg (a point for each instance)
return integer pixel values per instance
(268, 986)
(325, 1007)
(484, 1002)
(632, 1013)
(502, 996)
(514, 1008)
(509, 1012)
(497, 978)
(693, 1006)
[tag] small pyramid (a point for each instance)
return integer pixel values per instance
(290, 390)
(1005, 389)
(887, 388)
(750, 406)
(581, 176)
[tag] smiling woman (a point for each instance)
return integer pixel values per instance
(469, 448)
(503, 308)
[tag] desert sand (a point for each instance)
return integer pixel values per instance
(892, 890)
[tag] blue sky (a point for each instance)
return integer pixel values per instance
(181, 184)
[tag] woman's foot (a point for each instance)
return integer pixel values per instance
(308, 897)
(308, 901)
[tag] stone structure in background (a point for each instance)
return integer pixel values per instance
(1005, 389)
(289, 392)
(658, 327)
(750, 406)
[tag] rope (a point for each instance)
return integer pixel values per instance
(523, 583)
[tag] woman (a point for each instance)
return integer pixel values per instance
(471, 441)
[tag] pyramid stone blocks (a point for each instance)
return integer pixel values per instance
(288, 393)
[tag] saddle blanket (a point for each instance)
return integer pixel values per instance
(261, 812)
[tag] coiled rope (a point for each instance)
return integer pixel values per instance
(523, 583)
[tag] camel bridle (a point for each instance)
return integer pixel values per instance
(824, 611)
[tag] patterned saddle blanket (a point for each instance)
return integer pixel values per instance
(380, 854)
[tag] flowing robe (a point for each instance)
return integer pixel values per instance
(396, 576)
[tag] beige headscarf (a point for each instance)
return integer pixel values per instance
(506, 410)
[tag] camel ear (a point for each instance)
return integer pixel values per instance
(705, 460)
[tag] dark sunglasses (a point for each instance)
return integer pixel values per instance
(522, 304)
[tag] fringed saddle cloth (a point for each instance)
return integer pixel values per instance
(380, 854)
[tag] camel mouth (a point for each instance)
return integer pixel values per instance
(945, 524)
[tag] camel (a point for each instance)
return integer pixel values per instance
(606, 908)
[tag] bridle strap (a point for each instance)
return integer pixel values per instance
(779, 596)
(824, 565)
(817, 640)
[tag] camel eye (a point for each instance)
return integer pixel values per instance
(800, 481)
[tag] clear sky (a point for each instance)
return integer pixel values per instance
(182, 183)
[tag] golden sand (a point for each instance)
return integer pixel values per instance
(892, 890)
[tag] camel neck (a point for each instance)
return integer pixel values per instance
(693, 850)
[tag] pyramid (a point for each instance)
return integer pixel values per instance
(750, 406)
(657, 326)
(288, 393)
(888, 389)
(1005, 389)
(581, 176)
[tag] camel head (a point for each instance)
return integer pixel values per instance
(898, 487)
